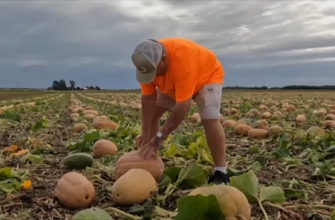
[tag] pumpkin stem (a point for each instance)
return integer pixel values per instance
(266, 217)
(112, 211)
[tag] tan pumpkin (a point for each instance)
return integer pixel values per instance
(314, 131)
(88, 108)
(93, 112)
(133, 159)
(75, 191)
(228, 123)
(258, 133)
(232, 201)
(330, 117)
(89, 116)
(249, 115)
(242, 129)
(79, 127)
(266, 115)
(77, 109)
(196, 117)
(74, 115)
(225, 112)
(291, 108)
(101, 117)
(329, 124)
(233, 111)
(253, 112)
(134, 187)
(273, 108)
(275, 130)
(243, 121)
(74, 119)
(104, 147)
(301, 119)
(263, 107)
(104, 124)
(321, 112)
(277, 115)
(221, 118)
(262, 124)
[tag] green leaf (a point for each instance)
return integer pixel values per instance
(247, 183)
(92, 136)
(34, 159)
(191, 177)
(272, 194)
(199, 208)
(12, 116)
(205, 156)
(172, 174)
(254, 150)
(295, 193)
(137, 129)
(5, 173)
(256, 166)
(171, 150)
(164, 181)
(80, 146)
(263, 160)
(140, 209)
(10, 185)
(283, 147)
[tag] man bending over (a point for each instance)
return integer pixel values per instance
(172, 72)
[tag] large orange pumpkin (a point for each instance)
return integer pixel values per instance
(132, 160)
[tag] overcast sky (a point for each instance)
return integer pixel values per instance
(271, 43)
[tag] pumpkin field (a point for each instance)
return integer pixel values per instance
(72, 155)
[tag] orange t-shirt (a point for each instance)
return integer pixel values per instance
(190, 67)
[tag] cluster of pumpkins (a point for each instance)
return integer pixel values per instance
(135, 181)
(135, 178)
(261, 129)
(89, 114)
(130, 104)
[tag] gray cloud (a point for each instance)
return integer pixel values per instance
(259, 42)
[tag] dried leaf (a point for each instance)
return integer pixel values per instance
(12, 148)
(20, 153)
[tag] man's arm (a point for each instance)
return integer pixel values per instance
(176, 117)
(184, 88)
(148, 106)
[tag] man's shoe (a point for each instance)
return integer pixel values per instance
(219, 178)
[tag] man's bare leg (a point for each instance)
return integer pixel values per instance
(216, 141)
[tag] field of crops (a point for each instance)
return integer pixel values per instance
(280, 153)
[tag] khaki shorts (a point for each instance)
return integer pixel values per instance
(208, 100)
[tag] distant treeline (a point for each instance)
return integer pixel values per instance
(61, 85)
